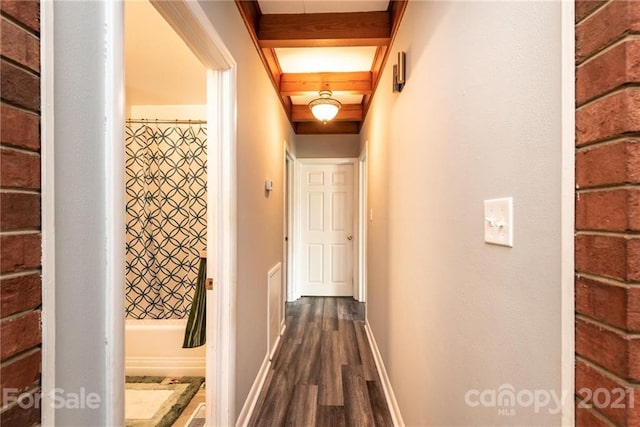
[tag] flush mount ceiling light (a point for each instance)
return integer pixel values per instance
(325, 108)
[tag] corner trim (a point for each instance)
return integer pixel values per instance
(48, 213)
(396, 416)
(289, 225)
(114, 237)
(363, 221)
(567, 221)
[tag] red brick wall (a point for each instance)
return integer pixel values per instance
(608, 213)
(20, 239)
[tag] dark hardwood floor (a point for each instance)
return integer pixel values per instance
(323, 372)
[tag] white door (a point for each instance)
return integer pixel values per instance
(326, 224)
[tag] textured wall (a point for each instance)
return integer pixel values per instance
(20, 239)
(263, 130)
(607, 212)
(479, 118)
(318, 146)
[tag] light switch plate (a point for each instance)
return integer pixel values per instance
(498, 221)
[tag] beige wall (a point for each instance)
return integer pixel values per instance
(318, 146)
(262, 130)
(479, 118)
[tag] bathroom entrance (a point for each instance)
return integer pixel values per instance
(178, 160)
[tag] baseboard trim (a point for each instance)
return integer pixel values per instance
(167, 366)
(277, 343)
(258, 383)
(252, 397)
(396, 416)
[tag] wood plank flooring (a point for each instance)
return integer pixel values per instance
(323, 372)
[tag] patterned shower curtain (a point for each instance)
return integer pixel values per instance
(166, 211)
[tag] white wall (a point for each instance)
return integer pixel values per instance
(479, 118)
(82, 179)
(80, 210)
(263, 130)
(318, 146)
(168, 112)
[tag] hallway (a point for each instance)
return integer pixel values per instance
(323, 372)
(443, 107)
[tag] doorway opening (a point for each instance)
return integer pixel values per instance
(202, 135)
(165, 220)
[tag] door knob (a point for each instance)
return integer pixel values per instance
(349, 237)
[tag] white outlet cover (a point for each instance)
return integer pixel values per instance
(498, 221)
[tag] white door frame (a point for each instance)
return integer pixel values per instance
(113, 199)
(362, 223)
(192, 24)
(295, 292)
(289, 231)
(114, 207)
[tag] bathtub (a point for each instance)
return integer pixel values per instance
(154, 347)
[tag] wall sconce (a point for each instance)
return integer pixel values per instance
(399, 72)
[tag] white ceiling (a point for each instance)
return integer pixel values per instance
(325, 59)
(160, 68)
(321, 6)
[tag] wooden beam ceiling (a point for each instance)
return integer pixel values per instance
(325, 29)
(330, 128)
(304, 83)
(250, 13)
(348, 112)
(269, 32)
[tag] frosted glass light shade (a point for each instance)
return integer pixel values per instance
(325, 108)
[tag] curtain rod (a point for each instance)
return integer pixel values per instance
(170, 122)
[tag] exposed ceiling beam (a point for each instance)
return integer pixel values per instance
(348, 112)
(396, 10)
(303, 83)
(325, 29)
(378, 59)
(250, 12)
(272, 63)
(314, 128)
(328, 29)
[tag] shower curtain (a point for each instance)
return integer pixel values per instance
(166, 210)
